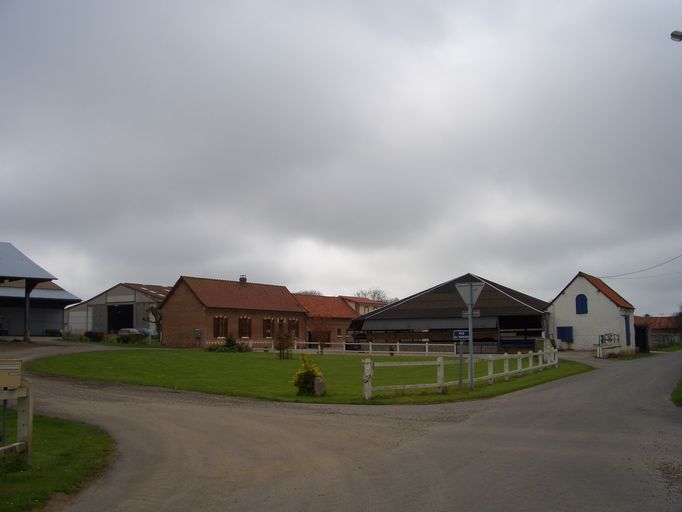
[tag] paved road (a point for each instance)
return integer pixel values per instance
(601, 441)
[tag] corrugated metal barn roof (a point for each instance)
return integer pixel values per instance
(14, 264)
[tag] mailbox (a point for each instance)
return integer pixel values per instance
(10, 373)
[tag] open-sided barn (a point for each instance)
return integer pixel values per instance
(503, 318)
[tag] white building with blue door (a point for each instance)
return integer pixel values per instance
(586, 309)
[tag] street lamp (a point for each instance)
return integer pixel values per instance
(676, 35)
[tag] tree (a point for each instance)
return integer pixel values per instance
(154, 317)
(376, 294)
(309, 292)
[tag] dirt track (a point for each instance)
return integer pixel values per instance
(606, 440)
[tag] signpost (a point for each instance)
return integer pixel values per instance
(469, 293)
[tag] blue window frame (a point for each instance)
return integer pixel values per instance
(565, 333)
(581, 305)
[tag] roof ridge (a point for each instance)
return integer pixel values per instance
(231, 281)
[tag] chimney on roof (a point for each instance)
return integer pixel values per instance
(242, 280)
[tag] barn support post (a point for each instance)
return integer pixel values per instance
(29, 285)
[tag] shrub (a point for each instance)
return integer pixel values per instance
(131, 338)
(230, 345)
(304, 378)
(284, 344)
(94, 335)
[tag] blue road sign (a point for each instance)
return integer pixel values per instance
(460, 334)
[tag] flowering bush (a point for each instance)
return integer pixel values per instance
(304, 378)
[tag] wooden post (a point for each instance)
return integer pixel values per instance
(491, 378)
(506, 366)
(25, 424)
(427, 347)
(541, 360)
(397, 347)
(367, 378)
(370, 347)
(530, 362)
(440, 375)
(519, 362)
(556, 357)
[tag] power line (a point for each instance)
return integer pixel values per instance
(642, 270)
(647, 277)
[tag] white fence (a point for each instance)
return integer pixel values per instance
(545, 359)
(363, 347)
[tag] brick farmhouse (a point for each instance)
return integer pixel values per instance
(198, 312)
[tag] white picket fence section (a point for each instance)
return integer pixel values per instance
(357, 347)
(548, 358)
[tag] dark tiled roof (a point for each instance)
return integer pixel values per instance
(220, 294)
(153, 290)
(444, 303)
(45, 290)
(325, 307)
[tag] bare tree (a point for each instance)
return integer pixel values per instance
(376, 294)
(309, 292)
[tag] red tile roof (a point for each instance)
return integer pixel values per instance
(362, 300)
(320, 306)
(662, 323)
(153, 290)
(607, 290)
(217, 293)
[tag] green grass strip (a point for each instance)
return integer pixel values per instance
(66, 454)
(670, 348)
(264, 376)
(676, 395)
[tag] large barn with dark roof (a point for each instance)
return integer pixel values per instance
(504, 318)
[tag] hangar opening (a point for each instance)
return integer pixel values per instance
(120, 316)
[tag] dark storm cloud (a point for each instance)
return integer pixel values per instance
(343, 145)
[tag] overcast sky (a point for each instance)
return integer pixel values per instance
(344, 145)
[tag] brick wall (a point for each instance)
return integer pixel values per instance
(331, 325)
(182, 314)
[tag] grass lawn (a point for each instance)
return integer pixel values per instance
(65, 455)
(264, 376)
(670, 348)
(676, 395)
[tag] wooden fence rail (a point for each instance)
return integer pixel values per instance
(23, 445)
(545, 359)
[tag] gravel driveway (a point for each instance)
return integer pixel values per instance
(605, 440)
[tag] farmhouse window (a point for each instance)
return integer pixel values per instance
(267, 327)
(581, 305)
(293, 327)
(219, 326)
(244, 327)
